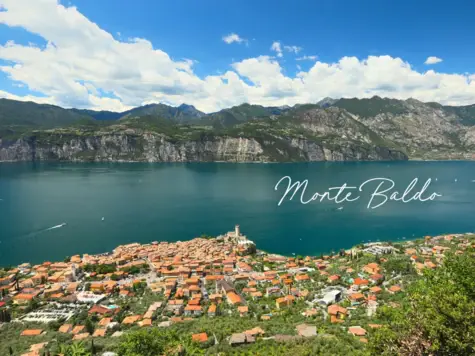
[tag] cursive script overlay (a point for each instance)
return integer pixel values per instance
(382, 191)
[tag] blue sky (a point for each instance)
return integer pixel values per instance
(396, 33)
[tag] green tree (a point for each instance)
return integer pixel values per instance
(440, 316)
(76, 349)
(141, 343)
(399, 265)
(147, 342)
(89, 326)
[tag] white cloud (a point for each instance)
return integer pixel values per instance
(277, 48)
(294, 49)
(84, 66)
(233, 37)
(306, 58)
(432, 60)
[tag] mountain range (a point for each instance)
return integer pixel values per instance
(332, 129)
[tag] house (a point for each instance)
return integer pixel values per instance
(302, 277)
(375, 290)
(36, 348)
(257, 331)
(273, 291)
(359, 283)
(193, 310)
(65, 328)
(77, 329)
(337, 313)
(99, 309)
(81, 336)
(357, 331)
(104, 322)
(212, 310)
(306, 330)
(330, 297)
(222, 286)
(97, 287)
(372, 268)
(216, 298)
(131, 319)
(234, 298)
(201, 337)
(31, 332)
(376, 278)
(22, 298)
(356, 298)
(241, 339)
(145, 323)
(284, 301)
(175, 306)
(243, 310)
(99, 333)
(394, 289)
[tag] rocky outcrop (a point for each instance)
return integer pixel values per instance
(152, 147)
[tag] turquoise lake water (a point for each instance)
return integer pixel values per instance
(154, 202)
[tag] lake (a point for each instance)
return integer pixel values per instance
(171, 202)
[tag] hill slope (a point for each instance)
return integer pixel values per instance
(344, 129)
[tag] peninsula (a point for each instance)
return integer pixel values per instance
(221, 295)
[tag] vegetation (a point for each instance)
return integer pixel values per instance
(438, 317)
(372, 107)
(100, 269)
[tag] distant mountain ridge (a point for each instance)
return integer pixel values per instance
(418, 130)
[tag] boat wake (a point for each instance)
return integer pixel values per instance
(55, 227)
(35, 233)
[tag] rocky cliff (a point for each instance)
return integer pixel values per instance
(152, 147)
(345, 129)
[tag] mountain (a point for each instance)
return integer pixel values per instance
(239, 114)
(423, 130)
(345, 129)
(465, 113)
(315, 135)
(99, 115)
(182, 113)
(18, 113)
(326, 102)
(371, 107)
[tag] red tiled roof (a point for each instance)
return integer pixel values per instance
(202, 337)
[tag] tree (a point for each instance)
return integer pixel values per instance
(439, 318)
(93, 348)
(89, 326)
(142, 342)
(76, 349)
(399, 265)
(147, 342)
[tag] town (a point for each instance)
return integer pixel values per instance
(213, 291)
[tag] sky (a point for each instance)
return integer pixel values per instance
(213, 54)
